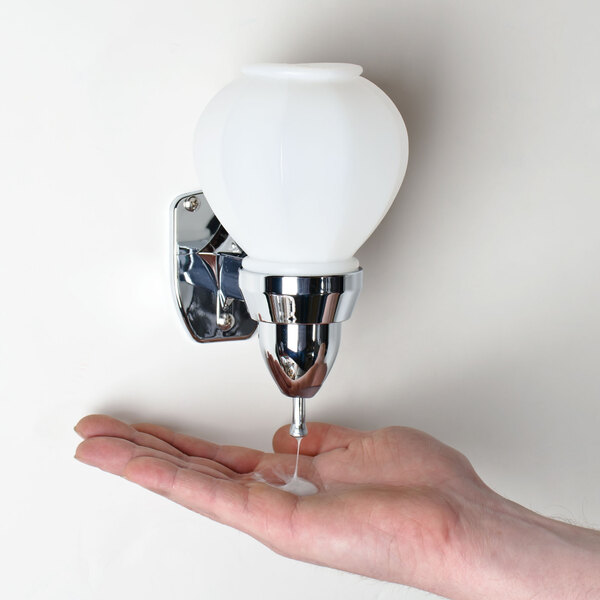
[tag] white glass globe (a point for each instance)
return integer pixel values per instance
(300, 163)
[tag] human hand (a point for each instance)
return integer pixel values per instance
(393, 504)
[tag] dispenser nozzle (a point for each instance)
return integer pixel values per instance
(298, 426)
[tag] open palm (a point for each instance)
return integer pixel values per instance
(390, 503)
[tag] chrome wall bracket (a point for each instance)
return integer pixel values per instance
(206, 265)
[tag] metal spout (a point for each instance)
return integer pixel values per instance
(298, 426)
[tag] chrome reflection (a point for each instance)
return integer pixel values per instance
(300, 324)
(299, 356)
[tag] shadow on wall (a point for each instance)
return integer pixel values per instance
(401, 56)
(455, 370)
(477, 412)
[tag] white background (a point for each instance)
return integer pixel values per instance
(479, 317)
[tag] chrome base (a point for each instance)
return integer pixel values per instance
(300, 328)
(300, 324)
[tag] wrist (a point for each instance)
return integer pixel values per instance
(512, 552)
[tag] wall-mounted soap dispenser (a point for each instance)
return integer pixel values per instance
(298, 165)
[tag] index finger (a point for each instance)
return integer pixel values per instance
(237, 458)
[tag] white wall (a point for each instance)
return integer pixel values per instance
(479, 318)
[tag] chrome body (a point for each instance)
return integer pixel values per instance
(299, 356)
(300, 327)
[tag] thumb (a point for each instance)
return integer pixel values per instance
(321, 437)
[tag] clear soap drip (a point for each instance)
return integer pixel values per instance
(297, 458)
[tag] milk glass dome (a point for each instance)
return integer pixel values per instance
(300, 163)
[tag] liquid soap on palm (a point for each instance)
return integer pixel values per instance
(295, 484)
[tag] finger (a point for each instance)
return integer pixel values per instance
(104, 425)
(246, 506)
(241, 460)
(251, 506)
(113, 453)
(321, 437)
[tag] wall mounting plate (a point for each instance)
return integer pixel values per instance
(206, 264)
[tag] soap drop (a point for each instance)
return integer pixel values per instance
(299, 487)
(294, 485)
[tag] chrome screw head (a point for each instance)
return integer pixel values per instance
(191, 203)
(225, 321)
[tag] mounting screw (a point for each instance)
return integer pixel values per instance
(191, 203)
(225, 321)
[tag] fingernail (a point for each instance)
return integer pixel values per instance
(83, 461)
